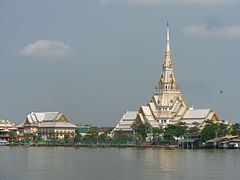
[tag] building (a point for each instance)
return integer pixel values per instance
(167, 105)
(126, 122)
(48, 125)
(191, 140)
(6, 127)
(83, 130)
(226, 142)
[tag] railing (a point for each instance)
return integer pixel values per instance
(82, 142)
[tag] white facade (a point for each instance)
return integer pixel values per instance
(167, 105)
(126, 122)
(48, 125)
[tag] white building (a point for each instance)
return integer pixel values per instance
(48, 125)
(167, 105)
(5, 128)
(126, 122)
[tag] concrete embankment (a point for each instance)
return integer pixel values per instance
(94, 145)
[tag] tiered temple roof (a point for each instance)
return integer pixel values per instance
(167, 105)
(47, 120)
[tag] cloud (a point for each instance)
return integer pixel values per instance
(169, 1)
(212, 31)
(47, 48)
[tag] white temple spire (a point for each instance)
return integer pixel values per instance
(167, 52)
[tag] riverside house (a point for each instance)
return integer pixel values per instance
(5, 128)
(226, 142)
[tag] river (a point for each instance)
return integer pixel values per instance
(85, 163)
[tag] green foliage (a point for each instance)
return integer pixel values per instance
(103, 137)
(93, 132)
(157, 139)
(12, 136)
(77, 131)
(223, 130)
(209, 131)
(89, 137)
(213, 130)
(78, 137)
(235, 129)
(37, 138)
(108, 131)
(157, 131)
(137, 137)
(66, 137)
(193, 129)
(142, 129)
(196, 123)
(175, 130)
(92, 135)
(121, 137)
(26, 137)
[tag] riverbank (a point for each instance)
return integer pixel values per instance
(122, 145)
(117, 145)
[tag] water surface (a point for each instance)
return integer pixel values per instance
(69, 163)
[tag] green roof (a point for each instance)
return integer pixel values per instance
(83, 129)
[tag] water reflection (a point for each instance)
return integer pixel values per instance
(116, 163)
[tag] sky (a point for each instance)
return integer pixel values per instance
(94, 60)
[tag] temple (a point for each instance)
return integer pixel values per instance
(167, 105)
(47, 125)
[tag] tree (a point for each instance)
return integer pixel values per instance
(194, 129)
(236, 129)
(196, 123)
(142, 129)
(156, 133)
(103, 137)
(120, 136)
(136, 137)
(26, 137)
(66, 137)
(37, 137)
(169, 131)
(108, 131)
(213, 130)
(92, 135)
(175, 130)
(210, 131)
(78, 137)
(223, 130)
(12, 136)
